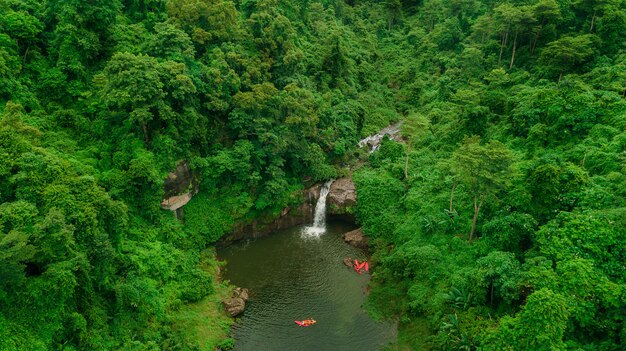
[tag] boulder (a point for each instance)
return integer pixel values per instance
(348, 262)
(237, 303)
(342, 193)
(241, 293)
(234, 306)
(356, 238)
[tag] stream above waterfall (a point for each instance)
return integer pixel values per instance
(294, 276)
(372, 142)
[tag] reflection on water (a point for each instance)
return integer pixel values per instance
(291, 277)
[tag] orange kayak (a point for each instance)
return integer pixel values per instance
(306, 322)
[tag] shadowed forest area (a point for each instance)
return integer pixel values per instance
(498, 224)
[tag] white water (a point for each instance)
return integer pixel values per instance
(373, 141)
(319, 219)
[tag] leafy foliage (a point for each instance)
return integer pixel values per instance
(513, 118)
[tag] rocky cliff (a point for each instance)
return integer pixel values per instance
(180, 186)
(341, 203)
(290, 216)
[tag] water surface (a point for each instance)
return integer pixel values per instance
(293, 276)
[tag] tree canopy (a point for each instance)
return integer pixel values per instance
(512, 116)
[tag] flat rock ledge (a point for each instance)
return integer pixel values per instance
(356, 238)
(237, 302)
(179, 187)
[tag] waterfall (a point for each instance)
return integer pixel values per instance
(319, 220)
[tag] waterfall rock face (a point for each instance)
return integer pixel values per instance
(342, 200)
(290, 216)
(340, 204)
(342, 193)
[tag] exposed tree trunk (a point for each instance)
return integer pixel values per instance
(145, 131)
(476, 210)
(533, 46)
(513, 54)
(560, 76)
(502, 44)
(25, 54)
(593, 20)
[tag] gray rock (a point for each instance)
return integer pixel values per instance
(341, 200)
(342, 193)
(356, 238)
(373, 141)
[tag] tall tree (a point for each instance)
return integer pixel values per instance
(394, 11)
(206, 21)
(594, 8)
(414, 127)
(544, 11)
(568, 52)
(513, 19)
(146, 90)
(540, 325)
(485, 169)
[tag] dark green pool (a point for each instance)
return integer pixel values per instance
(291, 276)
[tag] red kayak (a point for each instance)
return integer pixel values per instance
(359, 266)
(306, 322)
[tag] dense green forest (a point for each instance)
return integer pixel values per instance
(499, 224)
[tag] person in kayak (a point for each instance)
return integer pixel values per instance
(306, 322)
